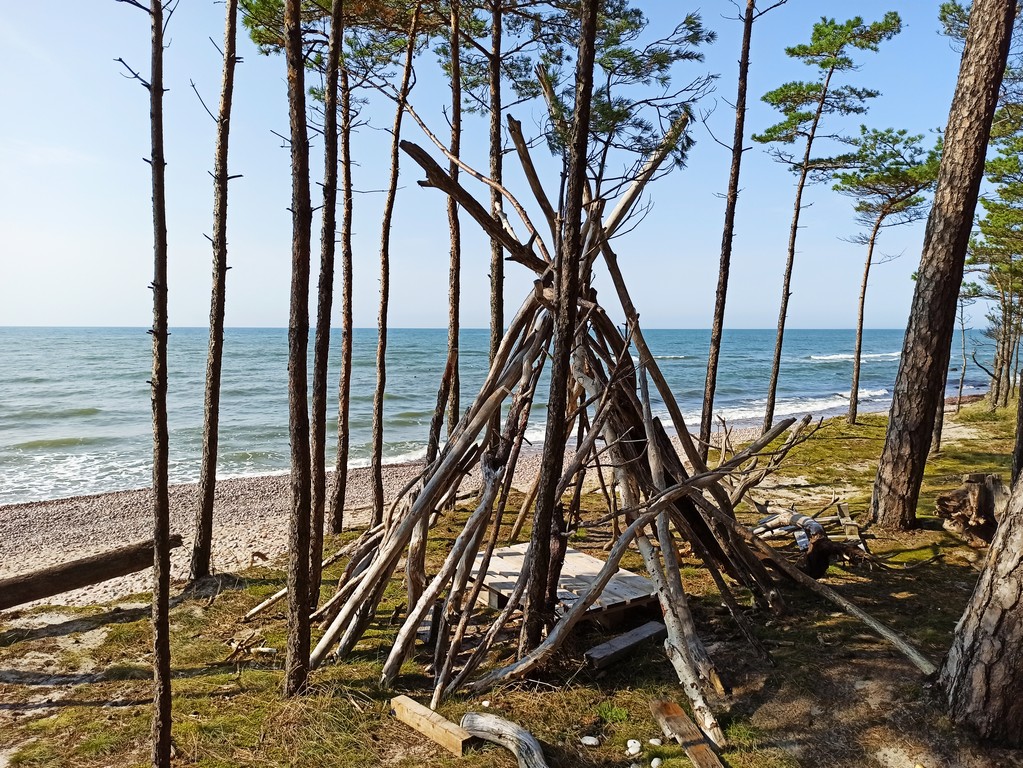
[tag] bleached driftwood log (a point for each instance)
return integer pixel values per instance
(522, 743)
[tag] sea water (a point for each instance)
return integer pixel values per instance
(75, 412)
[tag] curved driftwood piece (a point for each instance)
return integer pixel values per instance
(521, 742)
(57, 579)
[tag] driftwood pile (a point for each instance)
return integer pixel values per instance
(658, 499)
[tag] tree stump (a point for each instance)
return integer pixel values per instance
(972, 510)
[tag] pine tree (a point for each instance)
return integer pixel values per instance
(803, 105)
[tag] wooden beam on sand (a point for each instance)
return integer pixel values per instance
(57, 579)
(675, 724)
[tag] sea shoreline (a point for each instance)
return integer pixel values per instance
(250, 521)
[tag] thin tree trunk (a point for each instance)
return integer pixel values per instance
(200, 563)
(939, 424)
(161, 726)
(772, 388)
(455, 268)
(927, 344)
(962, 370)
(496, 253)
(344, 387)
(566, 286)
(731, 201)
(324, 302)
(376, 458)
(1017, 447)
(854, 391)
(980, 674)
(296, 668)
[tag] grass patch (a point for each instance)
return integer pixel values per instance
(233, 715)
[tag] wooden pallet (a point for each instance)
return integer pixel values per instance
(624, 590)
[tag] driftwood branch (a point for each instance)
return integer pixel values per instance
(522, 743)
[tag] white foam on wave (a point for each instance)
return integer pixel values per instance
(801, 405)
(840, 356)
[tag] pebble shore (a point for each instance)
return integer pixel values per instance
(250, 517)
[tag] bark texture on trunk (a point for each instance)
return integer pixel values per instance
(925, 352)
(344, 387)
(981, 674)
(377, 451)
(161, 726)
(296, 668)
(324, 303)
(200, 563)
(566, 289)
(731, 202)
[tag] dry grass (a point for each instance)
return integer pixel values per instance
(837, 696)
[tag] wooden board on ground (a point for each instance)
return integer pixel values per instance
(624, 590)
(675, 724)
(605, 654)
(452, 737)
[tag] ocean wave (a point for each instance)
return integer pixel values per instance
(44, 415)
(801, 405)
(670, 357)
(62, 442)
(841, 356)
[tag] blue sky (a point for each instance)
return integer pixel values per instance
(75, 221)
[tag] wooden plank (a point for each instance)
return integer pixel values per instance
(453, 738)
(675, 724)
(578, 573)
(605, 654)
(852, 531)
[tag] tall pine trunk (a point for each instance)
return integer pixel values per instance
(727, 233)
(854, 390)
(376, 458)
(297, 662)
(566, 295)
(201, 549)
(454, 228)
(324, 302)
(920, 382)
(161, 726)
(981, 673)
(797, 209)
(496, 171)
(344, 386)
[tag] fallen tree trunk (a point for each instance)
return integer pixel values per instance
(58, 579)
